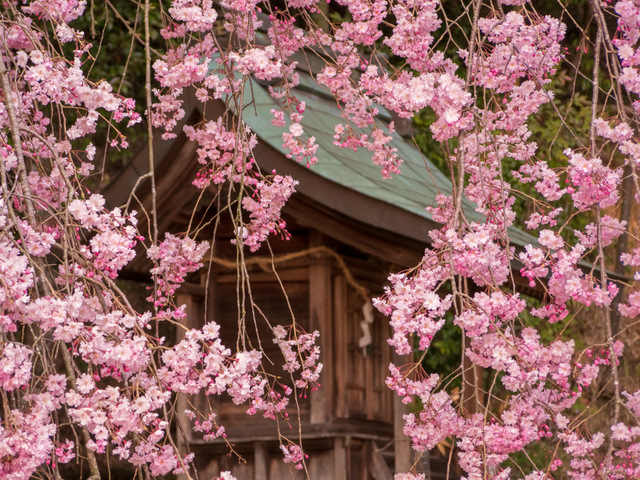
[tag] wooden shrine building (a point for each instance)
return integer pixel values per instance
(349, 229)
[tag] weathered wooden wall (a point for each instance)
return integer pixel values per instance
(347, 425)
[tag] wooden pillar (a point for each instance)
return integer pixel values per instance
(320, 311)
(260, 462)
(340, 346)
(472, 387)
(340, 467)
(385, 359)
(402, 443)
(194, 296)
(320, 316)
(184, 423)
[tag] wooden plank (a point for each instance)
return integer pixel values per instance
(387, 394)
(369, 399)
(341, 339)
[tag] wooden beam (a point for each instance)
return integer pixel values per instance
(286, 275)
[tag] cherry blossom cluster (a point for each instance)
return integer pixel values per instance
(413, 306)
(293, 454)
(264, 209)
(175, 258)
(111, 247)
(300, 352)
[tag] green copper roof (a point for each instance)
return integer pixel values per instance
(414, 189)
